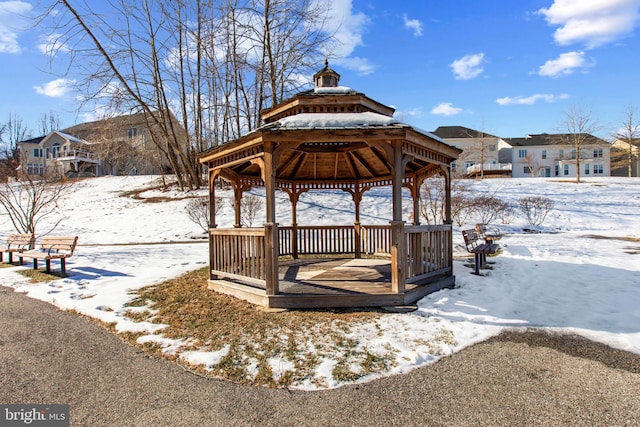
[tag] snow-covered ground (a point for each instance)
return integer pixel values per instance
(563, 279)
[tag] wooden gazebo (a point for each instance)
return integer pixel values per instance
(330, 137)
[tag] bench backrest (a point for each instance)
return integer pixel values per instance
(19, 240)
(481, 228)
(470, 239)
(59, 243)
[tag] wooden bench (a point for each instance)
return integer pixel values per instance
(479, 249)
(51, 247)
(16, 243)
(490, 235)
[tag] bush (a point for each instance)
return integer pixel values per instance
(536, 208)
(488, 207)
(198, 211)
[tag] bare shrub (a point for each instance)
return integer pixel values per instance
(461, 208)
(507, 214)
(433, 198)
(250, 206)
(198, 211)
(488, 207)
(30, 199)
(536, 208)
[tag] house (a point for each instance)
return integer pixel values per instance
(123, 145)
(554, 155)
(58, 151)
(620, 157)
(483, 154)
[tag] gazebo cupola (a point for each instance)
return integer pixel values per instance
(326, 77)
(330, 138)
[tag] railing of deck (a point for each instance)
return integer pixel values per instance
(316, 240)
(376, 239)
(241, 252)
(238, 252)
(428, 251)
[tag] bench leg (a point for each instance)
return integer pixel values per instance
(63, 267)
(477, 260)
(35, 263)
(10, 257)
(48, 265)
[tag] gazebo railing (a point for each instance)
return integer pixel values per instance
(428, 251)
(238, 252)
(241, 252)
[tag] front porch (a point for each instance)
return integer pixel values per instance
(369, 274)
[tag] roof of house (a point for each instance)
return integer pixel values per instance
(33, 140)
(459, 132)
(554, 139)
(90, 130)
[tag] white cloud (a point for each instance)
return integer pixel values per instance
(592, 22)
(446, 109)
(52, 44)
(468, 67)
(567, 63)
(348, 29)
(55, 88)
(13, 20)
(413, 24)
(530, 100)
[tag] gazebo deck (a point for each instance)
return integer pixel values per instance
(313, 283)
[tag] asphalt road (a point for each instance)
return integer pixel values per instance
(48, 356)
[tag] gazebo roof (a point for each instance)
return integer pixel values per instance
(329, 137)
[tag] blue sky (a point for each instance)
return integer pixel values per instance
(506, 67)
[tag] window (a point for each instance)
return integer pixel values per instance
(586, 169)
(566, 169)
(544, 154)
(527, 169)
(522, 154)
(597, 153)
(598, 169)
(453, 166)
(573, 153)
(557, 170)
(492, 147)
(561, 154)
(35, 169)
(37, 152)
(132, 133)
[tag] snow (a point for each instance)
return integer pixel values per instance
(334, 121)
(331, 89)
(580, 274)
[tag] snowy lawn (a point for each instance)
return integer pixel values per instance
(580, 275)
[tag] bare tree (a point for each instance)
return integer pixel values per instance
(628, 133)
(29, 200)
(11, 132)
(49, 122)
(579, 125)
(215, 64)
(533, 164)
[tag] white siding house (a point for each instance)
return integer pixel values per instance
(482, 152)
(554, 155)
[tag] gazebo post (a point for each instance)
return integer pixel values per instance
(270, 228)
(237, 202)
(212, 218)
(357, 198)
(398, 237)
(446, 172)
(293, 198)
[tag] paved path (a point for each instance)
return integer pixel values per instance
(48, 356)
